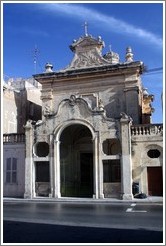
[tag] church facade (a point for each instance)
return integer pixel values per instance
(95, 138)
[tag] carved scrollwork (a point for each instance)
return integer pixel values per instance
(72, 100)
(101, 105)
(87, 59)
(124, 116)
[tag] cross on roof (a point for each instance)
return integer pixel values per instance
(86, 28)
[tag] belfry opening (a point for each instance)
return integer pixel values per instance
(76, 162)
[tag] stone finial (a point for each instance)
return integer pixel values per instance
(48, 67)
(112, 57)
(28, 125)
(129, 54)
(145, 92)
(125, 117)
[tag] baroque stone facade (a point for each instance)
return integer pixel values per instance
(83, 144)
(95, 138)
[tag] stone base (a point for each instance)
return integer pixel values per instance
(101, 196)
(127, 197)
(27, 196)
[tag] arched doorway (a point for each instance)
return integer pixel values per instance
(76, 162)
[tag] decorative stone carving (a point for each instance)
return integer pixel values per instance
(48, 67)
(101, 105)
(129, 54)
(87, 53)
(112, 57)
(124, 116)
(91, 99)
(72, 100)
(87, 59)
(87, 41)
(28, 124)
(47, 109)
(146, 102)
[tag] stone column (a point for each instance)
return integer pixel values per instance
(100, 170)
(95, 167)
(51, 167)
(126, 164)
(56, 169)
(29, 186)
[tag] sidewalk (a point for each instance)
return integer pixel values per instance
(149, 199)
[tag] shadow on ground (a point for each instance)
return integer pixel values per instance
(23, 232)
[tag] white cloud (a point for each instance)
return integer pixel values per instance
(108, 22)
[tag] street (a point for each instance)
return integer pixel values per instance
(62, 222)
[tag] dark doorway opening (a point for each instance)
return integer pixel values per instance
(86, 186)
(42, 179)
(155, 181)
(76, 162)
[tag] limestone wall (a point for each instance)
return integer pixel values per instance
(14, 184)
(141, 144)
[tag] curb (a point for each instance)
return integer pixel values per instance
(82, 200)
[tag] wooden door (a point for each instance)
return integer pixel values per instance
(155, 181)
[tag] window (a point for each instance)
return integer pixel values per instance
(111, 171)
(153, 153)
(41, 149)
(42, 171)
(11, 170)
(111, 147)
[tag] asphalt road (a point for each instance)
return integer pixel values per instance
(60, 222)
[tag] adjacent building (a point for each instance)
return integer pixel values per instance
(21, 102)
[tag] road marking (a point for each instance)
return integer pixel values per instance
(139, 211)
(130, 210)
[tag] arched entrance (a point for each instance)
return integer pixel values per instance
(76, 162)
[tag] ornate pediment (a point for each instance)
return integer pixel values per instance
(85, 42)
(88, 53)
(87, 58)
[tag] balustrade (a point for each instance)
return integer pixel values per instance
(14, 138)
(151, 129)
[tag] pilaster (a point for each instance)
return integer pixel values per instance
(126, 164)
(100, 169)
(56, 169)
(29, 187)
(95, 168)
(51, 163)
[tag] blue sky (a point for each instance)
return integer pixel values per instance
(51, 27)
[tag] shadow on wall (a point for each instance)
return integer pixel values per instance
(26, 110)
